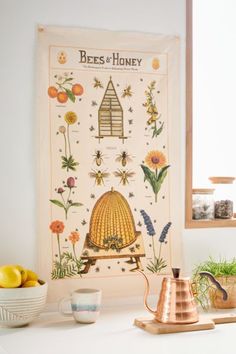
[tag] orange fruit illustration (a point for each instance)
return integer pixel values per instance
(155, 63)
(77, 89)
(52, 92)
(62, 97)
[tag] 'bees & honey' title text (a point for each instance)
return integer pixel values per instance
(114, 59)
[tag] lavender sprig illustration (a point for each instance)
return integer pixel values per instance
(163, 235)
(150, 228)
(158, 263)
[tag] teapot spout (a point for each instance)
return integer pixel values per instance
(216, 283)
(146, 293)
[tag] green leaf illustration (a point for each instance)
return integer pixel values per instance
(149, 175)
(160, 179)
(156, 131)
(57, 202)
(69, 267)
(69, 79)
(76, 204)
(155, 179)
(70, 95)
(157, 265)
(69, 163)
(64, 158)
(163, 173)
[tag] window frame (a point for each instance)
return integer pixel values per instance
(189, 222)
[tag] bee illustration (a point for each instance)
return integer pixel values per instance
(97, 83)
(99, 176)
(124, 175)
(92, 128)
(92, 196)
(131, 194)
(130, 110)
(98, 157)
(127, 92)
(94, 103)
(139, 223)
(130, 121)
(123, 157)
(83, 222)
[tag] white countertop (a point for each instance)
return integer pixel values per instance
(113, 333)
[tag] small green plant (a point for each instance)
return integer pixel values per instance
(202, 285)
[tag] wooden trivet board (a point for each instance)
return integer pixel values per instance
(154, 327)
(207, 321)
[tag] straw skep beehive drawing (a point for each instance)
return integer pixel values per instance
(110, 115)
(112, 232)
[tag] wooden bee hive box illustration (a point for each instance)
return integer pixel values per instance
(110, 115)
(112, 232)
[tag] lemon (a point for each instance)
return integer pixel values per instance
(30, 283)
(31, 275)
(10, 276)
(23, 273)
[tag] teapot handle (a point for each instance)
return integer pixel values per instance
(147, 289)
(216, 283)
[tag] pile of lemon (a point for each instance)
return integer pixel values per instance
(16, 276)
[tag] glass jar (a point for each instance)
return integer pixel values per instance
(224, 208)
(203, 204)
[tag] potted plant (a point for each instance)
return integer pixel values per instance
(207, 295)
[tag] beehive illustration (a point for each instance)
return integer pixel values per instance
(112, 231)
(110, 115)
(112, 224)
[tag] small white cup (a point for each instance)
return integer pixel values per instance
(85, 305)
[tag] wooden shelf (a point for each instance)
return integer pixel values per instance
(199, 224)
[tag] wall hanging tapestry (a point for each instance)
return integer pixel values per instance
(109, 162)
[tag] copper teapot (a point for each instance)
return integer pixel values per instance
(176, 302)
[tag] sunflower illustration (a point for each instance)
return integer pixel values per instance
(155, 160)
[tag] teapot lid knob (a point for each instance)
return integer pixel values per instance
(176, 272)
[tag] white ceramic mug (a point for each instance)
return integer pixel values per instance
(85, 305)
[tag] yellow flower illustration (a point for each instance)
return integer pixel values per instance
(70, 117)
(155, 159)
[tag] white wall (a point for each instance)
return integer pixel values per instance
(18, 22)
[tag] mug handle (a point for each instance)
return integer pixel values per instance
(60, 307)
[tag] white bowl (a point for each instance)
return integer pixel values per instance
(20, 306)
